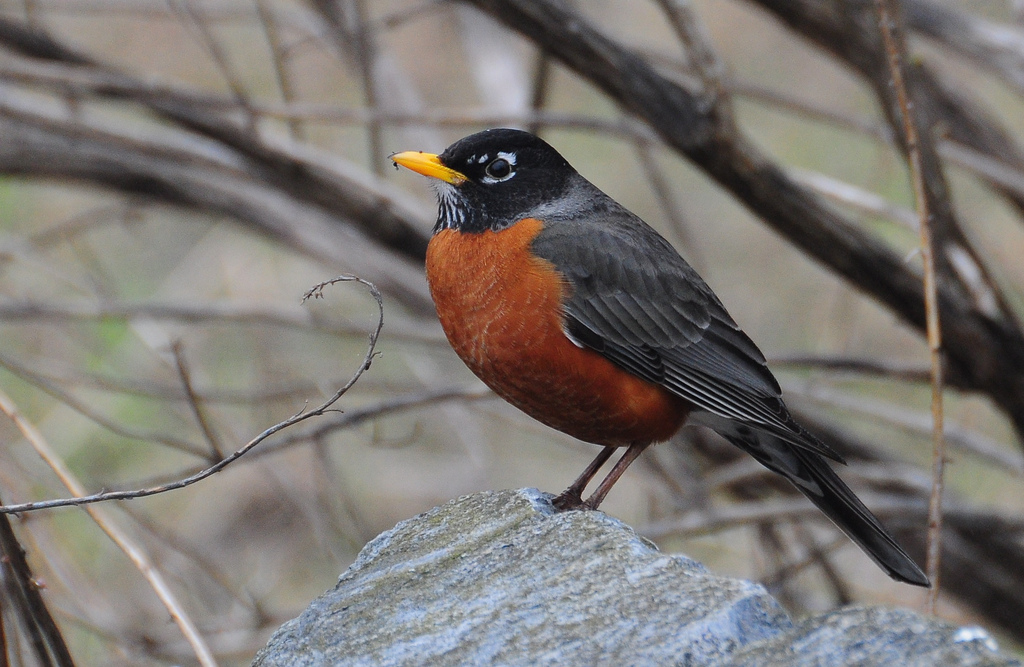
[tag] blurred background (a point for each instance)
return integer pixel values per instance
(176, 175)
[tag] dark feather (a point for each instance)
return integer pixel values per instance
(637, 302)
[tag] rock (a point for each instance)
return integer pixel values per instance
(873, 636)
(501, 578)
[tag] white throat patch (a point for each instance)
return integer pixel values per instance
(451, 208)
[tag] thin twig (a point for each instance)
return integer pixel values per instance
(668, 202)
(200, 475)
(357, 416)
(194, 403)
(539, 89)
(353, 34)
(931, 299)
(349, 419)
(713, 519)
(213, 47)
(854, 196)
(886, 368)
(404, 15)
(814, 556)
(840, 589)
(176, 542)
(990, 451)
(281, 71)
(84, 409)
(366, 57)
(809, 109)
(210, 312)
(998, 47)
(700, 54)
(992, 169)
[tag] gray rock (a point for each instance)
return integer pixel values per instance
(500, 578)
(873, 636)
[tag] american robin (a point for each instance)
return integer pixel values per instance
(574, 310)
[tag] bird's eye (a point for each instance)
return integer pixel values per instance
(498, 169)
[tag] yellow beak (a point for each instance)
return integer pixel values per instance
(428, 164)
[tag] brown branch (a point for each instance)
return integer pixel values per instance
(540, 90)
(195, 404)
(895, 51)
(282, 73)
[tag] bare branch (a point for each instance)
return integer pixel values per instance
(280, 60)
(192, 19)
(193, 400)
(895, 50)
(896, 370)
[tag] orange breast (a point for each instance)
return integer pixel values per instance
(501, 308)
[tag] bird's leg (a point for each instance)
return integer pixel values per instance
(635, 450)
(572, 498)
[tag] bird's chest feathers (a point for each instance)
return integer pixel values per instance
(497, 302)
(502, 310)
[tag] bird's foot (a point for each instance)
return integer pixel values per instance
(568, 500)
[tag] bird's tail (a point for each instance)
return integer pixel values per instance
(814, 477)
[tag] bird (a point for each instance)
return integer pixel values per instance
(580, 314)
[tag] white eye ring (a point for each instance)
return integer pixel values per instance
(500, 168)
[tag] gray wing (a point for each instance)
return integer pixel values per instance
(639, 304)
